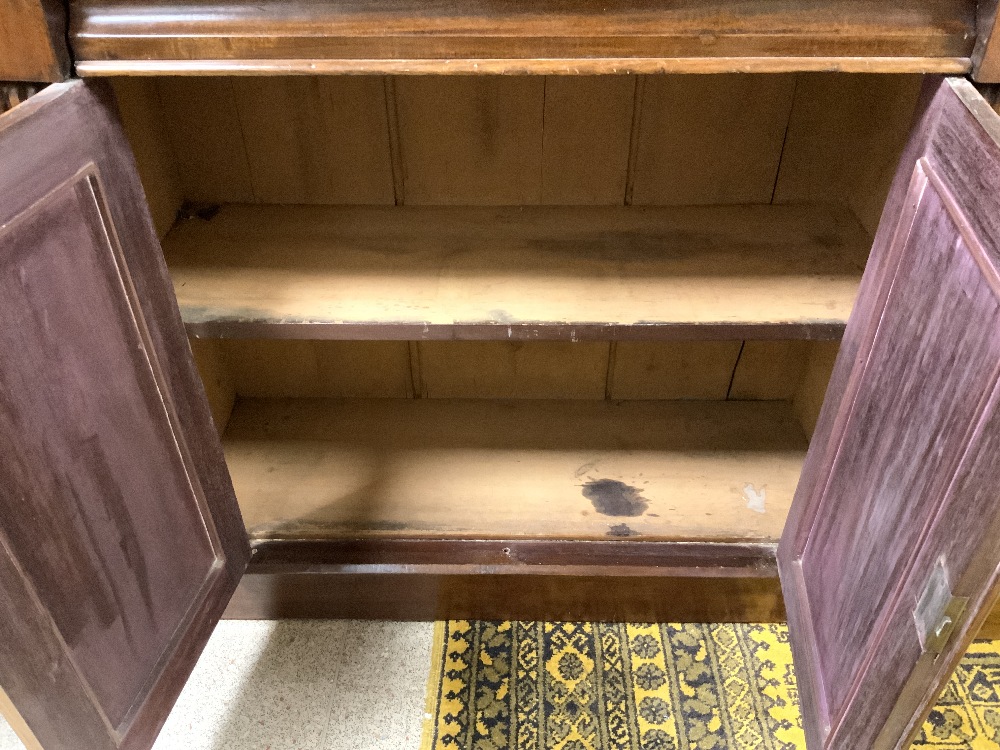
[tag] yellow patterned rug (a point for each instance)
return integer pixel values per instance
(596, 686)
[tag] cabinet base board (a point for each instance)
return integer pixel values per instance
(517, 556)
(433, 596)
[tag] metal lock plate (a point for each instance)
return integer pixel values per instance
(938, 612)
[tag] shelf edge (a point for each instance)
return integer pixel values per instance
(534, 66)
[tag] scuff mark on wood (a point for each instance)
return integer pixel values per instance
(622, 530)
(755, 498)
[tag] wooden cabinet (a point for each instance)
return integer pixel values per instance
(122, 541)
(484, 346)
(538, 36)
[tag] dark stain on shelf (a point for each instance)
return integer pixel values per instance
(613, 498)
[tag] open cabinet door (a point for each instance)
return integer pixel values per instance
(120, 538)
(889, 559)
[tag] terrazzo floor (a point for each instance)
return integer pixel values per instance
(301, 685)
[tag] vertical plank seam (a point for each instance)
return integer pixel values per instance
(395, 153)
(416, 374)
(736, 366)
(541, 150)
(243, 140)
(638, 93)
(315, 370)
(784, 139)
(224, 371)
(609, 377)
(167, 138)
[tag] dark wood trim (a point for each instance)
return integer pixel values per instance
(33, 43)
(198, 327)
(807, 668)
(517, 557)
(432, 579)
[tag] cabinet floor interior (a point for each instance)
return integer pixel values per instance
(492, 468)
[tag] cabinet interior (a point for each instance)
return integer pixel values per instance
(517, 307)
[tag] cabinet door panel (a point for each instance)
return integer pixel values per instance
(120, 538)
(897, 495)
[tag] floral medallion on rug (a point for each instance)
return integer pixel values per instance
(596, 686)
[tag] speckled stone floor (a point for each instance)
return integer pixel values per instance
(301, 685)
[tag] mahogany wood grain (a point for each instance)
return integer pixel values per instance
(33, 40)
(120, 537)
(902, 470)
(300, 35)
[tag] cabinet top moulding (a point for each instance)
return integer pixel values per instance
(112, 37)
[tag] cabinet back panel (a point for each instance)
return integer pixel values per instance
(304, 369)
(623, 370)
(680, 369)
(811, 391)
(586, 135)
(204, 129)
(142, 115)
(316, 139)
(772, 369)
(523, 369)
(710, 139)
(845, 135)
(471, 140)
(493, 140)
(217, 378)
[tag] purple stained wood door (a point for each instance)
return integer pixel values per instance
(120, 538)
(896, 521)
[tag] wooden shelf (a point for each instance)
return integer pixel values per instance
(315, 469)
(518, 273)
(521, 36)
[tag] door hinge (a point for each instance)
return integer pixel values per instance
(938, 612)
